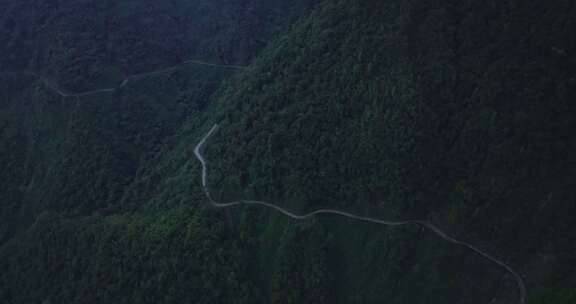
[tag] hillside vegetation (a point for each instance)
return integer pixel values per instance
(457, 112)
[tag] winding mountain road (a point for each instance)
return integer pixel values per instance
(126, 80)
(426, 224)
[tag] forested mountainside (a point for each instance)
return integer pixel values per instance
(77, 153)
(457, 113)
(86, 44)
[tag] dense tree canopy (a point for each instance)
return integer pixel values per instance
(461, 113)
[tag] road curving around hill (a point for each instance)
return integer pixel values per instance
(54, 87)
(423, 223)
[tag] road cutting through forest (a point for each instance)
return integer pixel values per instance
(126, 80)
(426, 224)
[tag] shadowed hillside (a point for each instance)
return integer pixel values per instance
(460, 113)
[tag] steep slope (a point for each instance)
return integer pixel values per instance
(67, 159)
(70, 146)
(76, 155)
(456, 112)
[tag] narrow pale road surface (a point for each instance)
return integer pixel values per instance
(126, 80)
(426, 224)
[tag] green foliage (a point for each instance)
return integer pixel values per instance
(459, 112)
(170, 257)
(554, 296)
(97, 43)
(301, 274)
(77, 155)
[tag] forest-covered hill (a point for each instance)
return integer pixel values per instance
(460, 113)
(77, 154)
